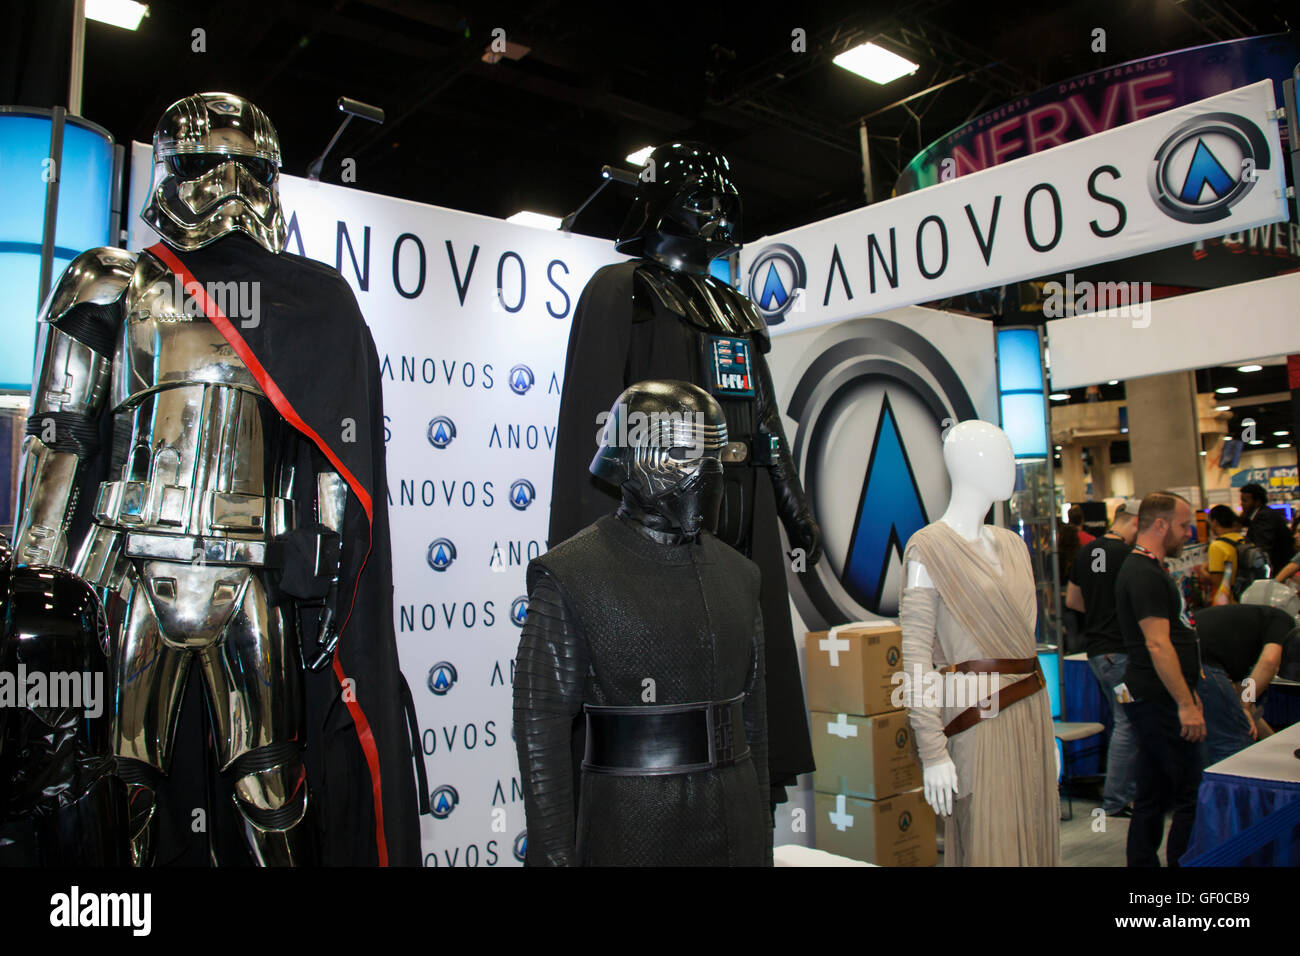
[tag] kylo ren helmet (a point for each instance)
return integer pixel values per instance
(687, 204)
(661, 444)
(216, 171)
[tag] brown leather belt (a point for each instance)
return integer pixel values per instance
(1002, 698)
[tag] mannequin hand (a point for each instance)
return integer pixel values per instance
(940, 785)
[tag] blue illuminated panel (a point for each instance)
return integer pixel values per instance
(1020, 387)
(85, 199)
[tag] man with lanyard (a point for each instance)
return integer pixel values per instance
(1091, 592)
(1163, 667)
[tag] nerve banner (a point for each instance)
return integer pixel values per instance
(1209, 168)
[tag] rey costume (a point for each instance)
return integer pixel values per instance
(979, 619)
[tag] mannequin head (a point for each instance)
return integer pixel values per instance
(980, 461)
(662, 447)
(688, 214)
(216, 171)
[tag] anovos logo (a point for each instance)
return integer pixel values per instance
(1206, 166)
(877, 385)
(777, 279)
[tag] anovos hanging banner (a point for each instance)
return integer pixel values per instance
(1205, 169)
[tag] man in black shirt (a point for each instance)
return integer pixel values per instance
(1241, 650)
(1265, 527)
(1163, 667)
(1091, 592)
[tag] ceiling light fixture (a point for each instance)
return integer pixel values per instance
(1226, 390)
(640, 156)
(1059, 396)
(1113, 381)
(1223, 408)
(1249, 368)
(126, 14)
(538, 219)
(875, 63)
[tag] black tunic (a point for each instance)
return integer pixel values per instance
(609, 609)
(624, 332)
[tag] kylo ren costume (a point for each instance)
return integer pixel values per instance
(648, 628)
(662, 316)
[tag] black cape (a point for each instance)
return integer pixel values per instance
(315, 359)
(611, 346)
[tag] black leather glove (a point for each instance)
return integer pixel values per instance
(791, 504)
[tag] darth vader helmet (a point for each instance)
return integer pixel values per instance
(216, 171)
(687, 207)
(662, 446)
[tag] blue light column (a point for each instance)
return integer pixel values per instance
(1031, 512)
(83, 221)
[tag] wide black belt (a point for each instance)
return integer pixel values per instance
(672, 738)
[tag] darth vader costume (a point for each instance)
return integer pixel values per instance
(205, 448)
(662, 316)
(648, 629)
(61, 802)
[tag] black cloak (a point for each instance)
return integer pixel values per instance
(615, 342)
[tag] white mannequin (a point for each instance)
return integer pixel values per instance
(982, 467)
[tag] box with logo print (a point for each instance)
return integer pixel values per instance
(899, 831)
(853, 672)
(871, 757)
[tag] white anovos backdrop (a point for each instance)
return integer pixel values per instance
(479, 374)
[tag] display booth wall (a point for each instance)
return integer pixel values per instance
(470, 317)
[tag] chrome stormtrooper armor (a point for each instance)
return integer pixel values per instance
(183, 529)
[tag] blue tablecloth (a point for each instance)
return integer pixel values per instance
(1228, 805)
(1084, 701)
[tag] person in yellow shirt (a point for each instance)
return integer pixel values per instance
(1220, 568)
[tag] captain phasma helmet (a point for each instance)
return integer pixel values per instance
(662, 446)
(687, 206)
(216, 170)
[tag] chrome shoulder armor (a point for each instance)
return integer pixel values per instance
(77, 331)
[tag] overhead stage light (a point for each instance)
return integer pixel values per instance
(1226, 390)
(538, 219)
(126, 14)
(1249, 368)
(1282, 432)
(875, 63)
(640, 156)
(1059, 396)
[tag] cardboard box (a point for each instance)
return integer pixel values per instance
(852, 673)
(870, 757)
(899, 831)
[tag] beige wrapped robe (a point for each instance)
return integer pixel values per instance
(1006, 810)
